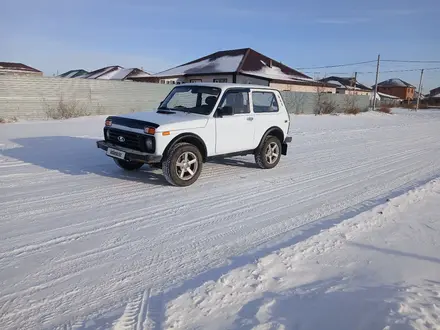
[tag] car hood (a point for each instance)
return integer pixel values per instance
(169, 121)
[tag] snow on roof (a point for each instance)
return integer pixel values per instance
(71, 74)
(219, 65)
(395, 82)
(346, 82)
(340, 85)
(436, 95)
(387, 96)
(100, 72)
(275, 73)
(118, 74)
(335, 82)
(141, 74)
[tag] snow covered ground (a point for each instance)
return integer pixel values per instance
(378, 270)
(84, 245)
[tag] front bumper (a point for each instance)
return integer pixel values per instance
(130, 154)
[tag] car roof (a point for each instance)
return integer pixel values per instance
(228, 85)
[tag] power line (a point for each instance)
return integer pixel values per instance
(369, 72)
(408, 70)
(365, 62)
(335, 66)
(409, 61)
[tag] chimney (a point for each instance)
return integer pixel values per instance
(270, 63)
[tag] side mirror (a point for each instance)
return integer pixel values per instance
(225, 111)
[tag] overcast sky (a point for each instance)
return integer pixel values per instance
(59, 35)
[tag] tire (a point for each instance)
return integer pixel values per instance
(190, 158)
(128, 165)
(262, 157)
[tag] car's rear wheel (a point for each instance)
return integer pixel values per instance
(128, 165)
(183, 165)
(268, 155)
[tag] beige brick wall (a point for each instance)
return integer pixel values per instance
(20, 73)
(301, 88)
(207, 79)
(251, 80)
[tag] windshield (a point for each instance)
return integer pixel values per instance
(194, 99)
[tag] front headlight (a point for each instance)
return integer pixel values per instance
(149, 130)
(108, 122)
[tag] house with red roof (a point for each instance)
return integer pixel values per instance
(397, 87)
(18, 69)
(242, 66)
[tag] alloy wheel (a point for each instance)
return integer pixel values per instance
(187, 165)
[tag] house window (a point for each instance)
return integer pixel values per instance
(220, 80)
(195, 80)
(264, 102)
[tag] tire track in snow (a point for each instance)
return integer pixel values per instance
(253, 199)
(135, 313)
(176, 252)
(129, 221)
(202, 238)
(181, 243)
(267, 202)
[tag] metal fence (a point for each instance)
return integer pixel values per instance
(309, 103)
(32, 97)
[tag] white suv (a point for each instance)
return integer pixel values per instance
(197, 122)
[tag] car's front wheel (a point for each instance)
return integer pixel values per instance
(128, 165)
(269, 154)
(183, 165)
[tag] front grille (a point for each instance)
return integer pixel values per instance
(131, 140)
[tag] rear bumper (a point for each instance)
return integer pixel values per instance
(288, 139)
(130, 154)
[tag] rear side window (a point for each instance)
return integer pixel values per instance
(264, 102)
(238, 100)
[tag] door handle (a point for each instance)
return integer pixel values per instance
(250, 118)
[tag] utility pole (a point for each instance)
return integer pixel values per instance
(375, 86)
(420, 89)
(355, 81)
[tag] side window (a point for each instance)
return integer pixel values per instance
(237, 100)
(264, 102)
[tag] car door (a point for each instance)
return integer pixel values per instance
(267, 113)
(234, 131)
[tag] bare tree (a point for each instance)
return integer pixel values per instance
(319, 99)
(350, 104)
(64, 109)
(323, 101)
(298, 100)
